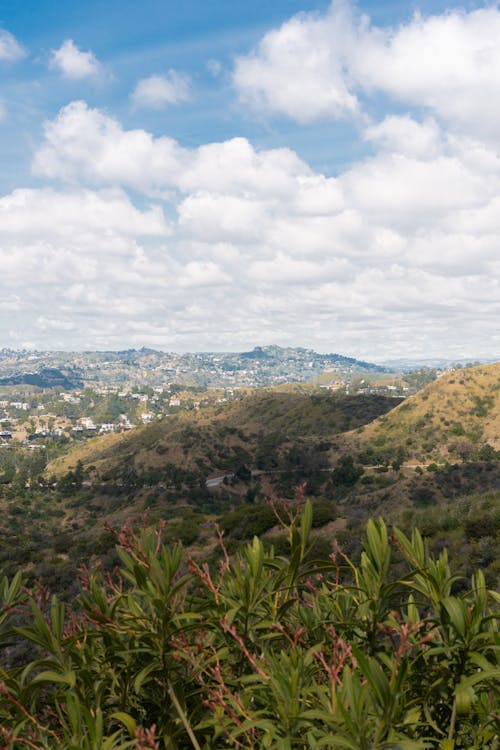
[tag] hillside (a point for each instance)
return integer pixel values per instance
(252, 430)
(45, 377)
(260, 367)
(455, 418)
(223, 463)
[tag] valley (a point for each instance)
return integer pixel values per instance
(430, 459)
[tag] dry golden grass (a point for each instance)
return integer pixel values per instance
(461, 407)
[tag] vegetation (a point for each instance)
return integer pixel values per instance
(455, 418)
(287, 642)
(259, 651)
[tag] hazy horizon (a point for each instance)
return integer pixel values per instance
(394, 359)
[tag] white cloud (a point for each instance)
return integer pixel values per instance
(54, 324)
(403, 135)
(320, 65)
(84, 144)
(157, 92)
(299, 69)
(73, 62)
(202, 273)
(449, 64)
(48, 213)
(394, 253)
(10, 48)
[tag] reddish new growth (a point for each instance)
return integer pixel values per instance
(341, 656)
(128, 541)
(31, 719)
(40, 593)
(75, 626)
(203, 571)
(402, 638)
(286, 514)
(241, 643)
(145, 739)
(208, 674)
(293, 635)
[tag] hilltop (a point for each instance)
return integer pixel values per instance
(263, 366)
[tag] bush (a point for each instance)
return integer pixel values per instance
(267, 651)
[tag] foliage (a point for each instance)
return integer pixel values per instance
(264, 651)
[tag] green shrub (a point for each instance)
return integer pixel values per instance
(266, 652)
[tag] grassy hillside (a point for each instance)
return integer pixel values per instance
(452, 419)
(249, 431)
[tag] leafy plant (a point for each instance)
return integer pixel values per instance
(255, 651)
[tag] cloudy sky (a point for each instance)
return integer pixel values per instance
(214, 175)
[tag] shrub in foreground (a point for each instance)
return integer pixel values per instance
(259, 652)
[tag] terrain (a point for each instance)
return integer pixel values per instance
(218, 571)
(431, 460)
(262, 366)
(453, 418)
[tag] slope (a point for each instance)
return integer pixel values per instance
(455, 418)
(221, 438)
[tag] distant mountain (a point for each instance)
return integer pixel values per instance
(440, 363)
(307, 357)
(263, 366)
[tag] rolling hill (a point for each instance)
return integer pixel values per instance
(430, 460)
(455, 418)
(250, 430)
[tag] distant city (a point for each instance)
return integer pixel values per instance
(49, 398)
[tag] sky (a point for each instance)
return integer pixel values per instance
(214, 175)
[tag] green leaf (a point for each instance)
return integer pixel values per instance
(464, 698)
(141, 678)
(306, 523)
(128, 721)
(456, 612)
(68, 678)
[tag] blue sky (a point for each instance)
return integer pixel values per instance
(217, 175)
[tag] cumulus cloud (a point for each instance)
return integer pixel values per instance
(299, 69)
(10, 48)
(399, 251)
(321, 65)
(49, 213)
(404, 135)
(157, 91)
(73, 62)
(84, 144)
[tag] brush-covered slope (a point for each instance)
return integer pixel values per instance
(250, 431)
(457, 417)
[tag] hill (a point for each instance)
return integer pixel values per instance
(262, 367)
(45, 377)
(225, 463)
(253, 430)
(454, 418)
